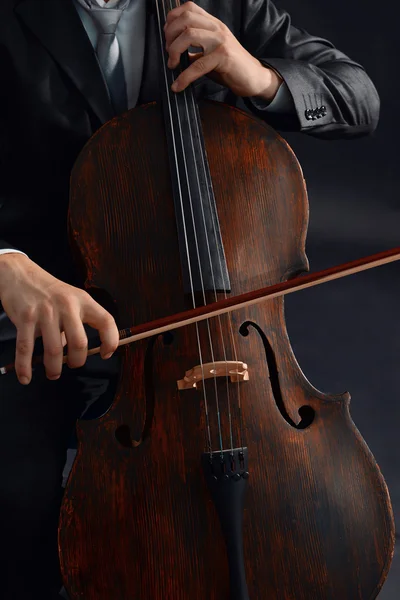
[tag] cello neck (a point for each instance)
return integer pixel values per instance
(202, 255)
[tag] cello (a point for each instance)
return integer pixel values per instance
(219, 472)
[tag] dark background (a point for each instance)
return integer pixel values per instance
(346, 334)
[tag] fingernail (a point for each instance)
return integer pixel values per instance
(175, 86)
(24, 380)
(109, 355)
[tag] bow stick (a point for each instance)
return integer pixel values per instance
(201, 313)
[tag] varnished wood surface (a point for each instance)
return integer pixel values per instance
(137, 522)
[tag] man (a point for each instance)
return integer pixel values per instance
(67, 67)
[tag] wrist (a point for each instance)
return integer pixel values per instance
(269, 83)
(9, 264)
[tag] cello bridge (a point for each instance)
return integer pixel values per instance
(235, 370)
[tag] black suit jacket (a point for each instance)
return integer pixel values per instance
(53, 98)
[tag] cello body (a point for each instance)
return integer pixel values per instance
(248, 484)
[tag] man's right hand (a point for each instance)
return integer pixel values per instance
(40, 305)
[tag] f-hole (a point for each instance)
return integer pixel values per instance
(123, 433)
(306, 413)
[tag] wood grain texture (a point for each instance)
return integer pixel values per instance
(138, 523)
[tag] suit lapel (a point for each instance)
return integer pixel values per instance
(57, 25)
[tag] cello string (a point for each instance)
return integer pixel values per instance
(218, 412)
(210, 259)
(187, 90)
(209, 255)
(229, 316)
(207, 416)
(219, 250)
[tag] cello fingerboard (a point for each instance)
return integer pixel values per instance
(202, 254)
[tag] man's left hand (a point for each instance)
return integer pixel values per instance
(223, 58)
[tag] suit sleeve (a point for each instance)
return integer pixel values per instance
(6, 246)
(333, 95)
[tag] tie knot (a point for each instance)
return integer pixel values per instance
(106, 20)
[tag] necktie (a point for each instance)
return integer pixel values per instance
(109, 55)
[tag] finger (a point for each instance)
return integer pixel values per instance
(53, 347)
(187, 21)
(76, 339)
(192, 37)
(96, 316)
(183, 8)
(24, 349)
(203, 65)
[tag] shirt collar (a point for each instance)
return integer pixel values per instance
(118, 4)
